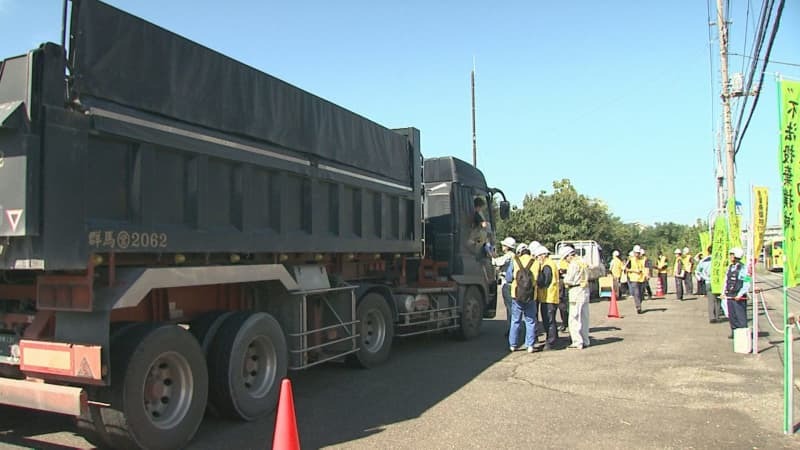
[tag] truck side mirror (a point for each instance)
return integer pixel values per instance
(505, 209)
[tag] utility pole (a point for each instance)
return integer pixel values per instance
(727, 138)
(474, 137)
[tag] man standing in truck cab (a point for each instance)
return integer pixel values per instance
(505, 266)
(662, 265)
(547, 293)
(523, 307)
(481, 232)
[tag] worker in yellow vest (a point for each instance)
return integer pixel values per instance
(616, 268)
(688, 265)
(636, 277)
(547, 293)
(563, 300)
(679, 273)
(662, 265)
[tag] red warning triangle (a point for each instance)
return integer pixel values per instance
(13, 218)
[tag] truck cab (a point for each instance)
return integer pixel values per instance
(457, 236)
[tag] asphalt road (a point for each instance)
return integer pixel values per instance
(663, 379)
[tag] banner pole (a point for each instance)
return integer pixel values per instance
(752, 252)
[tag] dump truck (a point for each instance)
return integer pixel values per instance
(179, 230)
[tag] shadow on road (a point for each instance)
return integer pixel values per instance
(20, 426)
(604, 341)
(601, 329)
(335, 404)
(649, 310)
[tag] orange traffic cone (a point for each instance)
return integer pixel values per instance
(613, 311)
(660, 288)
(286, 437)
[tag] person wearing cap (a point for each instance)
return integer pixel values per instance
(563, 301)
(522, 309)
(688, 264)
(636, 277)
(648, 266)
(662, 265)
(737, 283)
(703, 272)
(679, 273)
(505, 267)
(615, 268)
(547, 293)
(576, 280)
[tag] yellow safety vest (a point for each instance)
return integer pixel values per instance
(550, 293)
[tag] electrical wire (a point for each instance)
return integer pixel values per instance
(772, 61)
(775, 26)
(758, 44)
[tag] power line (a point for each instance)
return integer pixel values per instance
(775, 27)
(772, 61)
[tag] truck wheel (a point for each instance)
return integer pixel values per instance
(205, 327)
(376, 330)
(471, 314)
(247, 360)
(159, 388)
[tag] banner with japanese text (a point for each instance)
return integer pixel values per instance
(759, 224)
(719, 254)
(734, 229)
(790, 178)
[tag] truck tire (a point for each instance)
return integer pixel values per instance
(376, 331)
(159, 388)
(247, 360)
(205, 327)
(471, 314)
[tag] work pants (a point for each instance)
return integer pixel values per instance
(679, 288)
(663, 278)
(506, 291)
(563, 309)
(713, 306)
(548, 311)
(615, 288)
(701, 287)
(737, 313)
(579, 323)
(687, 284)
(646, 290)
(636, 292)
(519, 312)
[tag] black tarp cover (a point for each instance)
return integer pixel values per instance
(121, 58)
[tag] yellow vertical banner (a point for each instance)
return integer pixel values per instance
(719, 254)
(760, 209)
(790, 177)
(705, 241)
(734, 229)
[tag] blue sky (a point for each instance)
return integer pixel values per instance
(618, 96)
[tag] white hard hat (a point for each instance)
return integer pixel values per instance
(615, 253)
(540, 250)
(737, 252)
(636, 248)
(509, 242)
(534, 244)
(677, 251)
(521, 247)
(565, 251)
(685, 249)
(641, 251)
